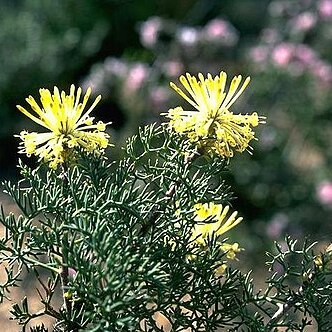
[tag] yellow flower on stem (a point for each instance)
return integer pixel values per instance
(230, 249)
(220, 270)
(212, 218)
(212, 126)
(68, 125)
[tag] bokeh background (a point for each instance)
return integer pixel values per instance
(129, 50)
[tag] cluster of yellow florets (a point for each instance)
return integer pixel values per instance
(212, 218)
(212, 126)
(67, 124)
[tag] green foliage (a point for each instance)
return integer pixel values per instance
(301, 283)
(111, 221)
(118, 237)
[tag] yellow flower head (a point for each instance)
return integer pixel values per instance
(230, 249)
(212, 126)
(220, 270)
(212, 218)
(67, 124)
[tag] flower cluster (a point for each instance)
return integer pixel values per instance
(217, 33)
(211, 219)
(324, 193)
(212, 126)
(295, 58)
(297, 49)
(136, 84)
(69, 127)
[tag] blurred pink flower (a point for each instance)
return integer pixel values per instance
(136, 76)
(173, 68)
(219, 30)
(149, 31)
(277, 225)
(116, 67)
(305, 54)
(282, 54)
(259, 54)
(323, 71)
(304, 22)
(324, 192)
(325, 8)
(71, 273)
(158, 98)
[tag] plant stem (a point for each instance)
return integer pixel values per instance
(67, 305)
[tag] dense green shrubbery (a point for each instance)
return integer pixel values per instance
(112, 233)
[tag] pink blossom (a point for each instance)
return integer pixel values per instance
(305, 54)
(116, 67)
(324, 192)
(259, 54)
(136, 76)
(149, 31)
(325, 8)
(282, 54)
(277, 225)
(323, 71)
(304, 22)
(158, 97)
(71, 273)
(173, 68)
(217, 28)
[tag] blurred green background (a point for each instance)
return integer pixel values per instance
(129, 50)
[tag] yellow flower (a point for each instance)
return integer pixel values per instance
(220, 270)
(68, 126)
(212, 126)
(318, 260)
(212, 218)
(230, 249)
